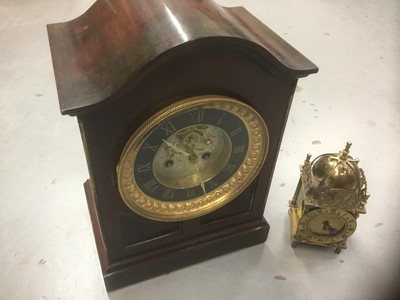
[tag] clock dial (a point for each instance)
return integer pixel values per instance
(192, 158)
(327, 225)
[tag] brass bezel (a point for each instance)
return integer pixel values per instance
(159, 210)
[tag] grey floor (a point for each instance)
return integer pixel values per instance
(47, 249)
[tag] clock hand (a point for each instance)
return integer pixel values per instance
(201, 180)
(203, 187)
(328, 227)
(176, 148)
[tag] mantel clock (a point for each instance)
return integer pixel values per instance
(182, 107)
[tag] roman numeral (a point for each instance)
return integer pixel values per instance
(229, 168)
(238, 149)
(143, 168)
(220, 119)
(150, 147)
(212, 184)
(168, 128)
(151, 185)
(236, 131)
(168, 194)
(196, 117)
(191, 193)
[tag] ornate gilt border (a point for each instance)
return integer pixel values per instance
(155, 209)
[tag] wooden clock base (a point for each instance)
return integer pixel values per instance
(118, 274)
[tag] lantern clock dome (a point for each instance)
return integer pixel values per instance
(337, 171)
(336, 175)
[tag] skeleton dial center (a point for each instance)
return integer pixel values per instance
(190, 154)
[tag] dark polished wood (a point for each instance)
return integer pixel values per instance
(167, 259)
(113, 43)
(124, 60)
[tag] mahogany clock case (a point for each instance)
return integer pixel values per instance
(132, 248)
(107, 131)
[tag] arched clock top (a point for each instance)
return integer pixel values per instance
(108, 46)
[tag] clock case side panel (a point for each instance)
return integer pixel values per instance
(225, 70)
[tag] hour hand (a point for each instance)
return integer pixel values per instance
(176, 148)
(328, 227)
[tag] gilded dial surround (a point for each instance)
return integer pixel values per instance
(192, 158)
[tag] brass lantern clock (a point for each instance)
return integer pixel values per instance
(182, 107)
(330, 196)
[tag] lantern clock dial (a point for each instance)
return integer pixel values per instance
(192, 158)
(327, 225)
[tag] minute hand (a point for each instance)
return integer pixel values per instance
(203, 187)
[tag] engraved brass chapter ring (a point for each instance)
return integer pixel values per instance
(192, 158)
(327, 226)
